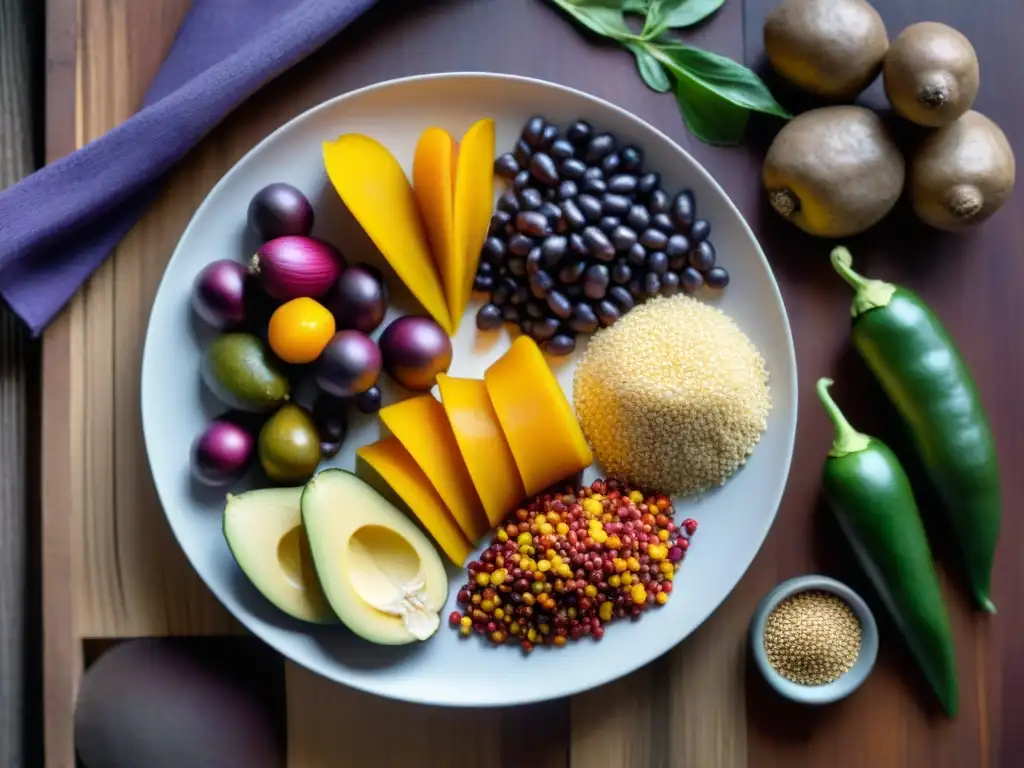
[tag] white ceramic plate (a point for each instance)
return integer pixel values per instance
(447, 670)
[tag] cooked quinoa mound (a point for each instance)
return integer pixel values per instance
(672, 397)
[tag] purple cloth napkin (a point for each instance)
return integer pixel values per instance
(59, 224)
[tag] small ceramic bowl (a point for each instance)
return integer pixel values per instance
(839, 688)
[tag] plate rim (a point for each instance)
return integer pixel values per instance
(615, 672)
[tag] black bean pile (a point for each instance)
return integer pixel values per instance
(582, 234)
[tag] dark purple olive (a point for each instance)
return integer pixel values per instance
(669, 284)
(221, 454)
(330, 415)
(368, 402)
(636, 288)
(702, 257)
(533, 260)
(519, 296)
(541, 284)
(599, 147)
(579, 132)
(519, 244)
(657, 262)
(559, 304)
(359, 299)
(716, 278)
(533, 223)
(329, 448)
(652, 284)
(506, 166)
(534, 309)
(654, 239)
(349, 364)
(611, 164)
(598, 244)
(544, 329)
(683, 208)
(567, 189)
(510, 314)
(219, 293)
(623, 238)
(622, 297)
(607, 224)
(583, 319)
(589, 206)
(677, 247)
(622, 184)
(488, 318)
(663, 222)
(691, 280)
(509, 203)
(551, 212)
(278, 210)
(571, 168)
(549, 136)
(647, 183)
(577, 245)
(522, 153)
(516, 265)
(521, 181)
(636, 255)
(483, 284)
(572, 271)
(638, 218)
(553, 249)
(530, 199)
(658, 202)
(415, 349)
(526, 326)
(700, 230)
(503, 290)
(632, 159)
(606, 313)
(560, 344)
(533, 130)
(295, 266)
(498, 221)
(543, 169)
(615, 205)
(621, 272)
(594, 186)
(572, 214)
(485, 268)
(493, 251)
(561, 150)
(593, 172)
(595, 281)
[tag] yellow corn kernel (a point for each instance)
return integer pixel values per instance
(626, 579)
(663, 535)
(550, 555)
(666, 567)
(524, 539)
(531, 635)
(570, 612)
(528, 598)
(487, 606)
(590, 591)
(552, 517)
(634, 564)
(669, 576)
(559, 640)
(639, 594)
(636, 497)
(614, 581)
(661, 598)
(466, 621)
(620, 564)
(546, 529)
(657, 551)
(614, 542)
(599, 536)
(464, 630)
(498, 577)
(565, 571)
(543, 565)
(545, 629)
(514, 628)
(502, 536)
(593, 507)
(596, 496)
(605, 611)
(483, 579)
(562, 529)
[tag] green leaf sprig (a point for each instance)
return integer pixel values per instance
(715, 94)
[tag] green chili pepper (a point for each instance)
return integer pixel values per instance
(870, 494)
(918, 365)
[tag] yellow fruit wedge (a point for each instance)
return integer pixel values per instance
(421, 426)
(537, 419)
(474, 201)
(482, 444)
(374, 188)
(391, 464)
(434, 186)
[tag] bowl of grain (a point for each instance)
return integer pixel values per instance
(814, 639)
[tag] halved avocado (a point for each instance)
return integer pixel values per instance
(264, 532)
(380, 573)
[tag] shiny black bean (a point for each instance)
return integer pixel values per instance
(506, 166)
(636, 288)
(615, 205)
(498, 221)
(622, 273)
(535, 309)
(493, 251)
(533, 260)
(700, 230)
(599, 147)
(594, 172)
(623, 238)
(583, 319)
(522, 153)
(654, 239)
(607, 224)
(551, 211)
(691, 280)
(595, 281)
(579, 132)
(578, 245)
(530, 199)
(560, 344)
(622, 297)
(594, 186)
(567, 189)
(677, 247)
(522, 180)
(632, 158)
(571, 168)
(716, 278)
(526, 324)
(519, 296)
(702, 256)
(572, 214)
(663, 222)
(533, 223)
(553, 249)
(544, 329)
(503, 290)
(508, 202)
(489, 317)
(533, 129)
(561, 150)
(549, 136)
(510, 314)
(658, 202)
(590, 206)
(652, 284)
(559, 304)
(541, 284)
(543, 169)
(598, 244)
(571, 271)
(669, 284)
(520, 245)
(638, 218)
(636, 255)
(607, 312)
(516, 265)
(611, 164)
(647, 184)
(483, 284)
(683, 210)
(622, 184)
(510, 228)
(484, 268)
(657, 262)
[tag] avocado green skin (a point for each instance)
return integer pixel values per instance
(239, 370)
(918, 365)
(872, 499)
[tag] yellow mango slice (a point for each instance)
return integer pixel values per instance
(483, 446)
(374, 188)
(434, 186)
(474, 201)
(422, 427)
(539, 423)
(396, 468)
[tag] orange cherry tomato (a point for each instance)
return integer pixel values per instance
(299, 330)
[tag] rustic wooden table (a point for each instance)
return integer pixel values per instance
(112, 570)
